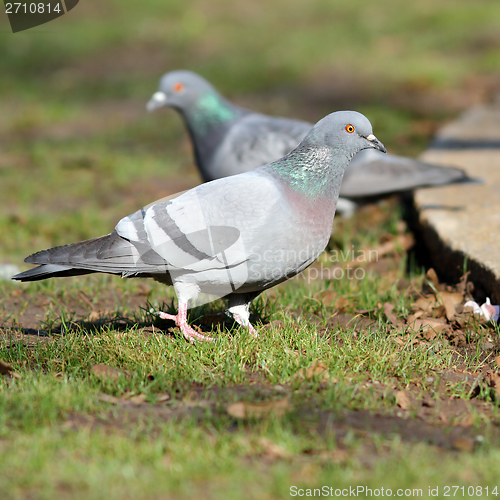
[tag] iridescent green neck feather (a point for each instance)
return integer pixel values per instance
(211, 110)
(312, 173)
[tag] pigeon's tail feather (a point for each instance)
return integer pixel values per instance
(372, 174)
(107, 254)
(470, 180)
(49, 271)
(96, 250)
(430, 174)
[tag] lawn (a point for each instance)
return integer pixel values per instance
(361, 367)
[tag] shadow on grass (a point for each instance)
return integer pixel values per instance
(206, 319)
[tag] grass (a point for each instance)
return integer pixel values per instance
(61, 436)
(78, 152)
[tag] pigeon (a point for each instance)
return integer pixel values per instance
(229, 140)
(233, 237)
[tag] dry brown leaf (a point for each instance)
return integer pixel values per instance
(460, 337)
(404, 241)
(429, 334)
(401, 226)
(328, 297)
(432, 277)
(426, 303)
(137, 399)
(431, 322)
(406, 340)
(388, 311)
(436, 325)
(407, 240)
(237, 410)
(466, 420)
(106, 398)
(6, 369)
(369, 254)
(272, 450)
(461, 320)
(464, 444)
(403, 400)
(244, 409)
(439, 312)
(462, 285)
(493, 380)
(450, 300)
(415, 316)
(162, 397)
(293, 354)
(338, 456)
(341, 303)
(99, 315)
(105, 372)
(444, 417)
(127, 399)
(497, 361)
(317, 370)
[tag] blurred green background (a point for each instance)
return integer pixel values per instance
(78, 150)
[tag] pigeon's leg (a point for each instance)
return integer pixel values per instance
(185, 292)
(240, 311)
(181, 321)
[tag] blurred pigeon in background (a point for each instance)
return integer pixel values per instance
(235, 236)
(229, 140)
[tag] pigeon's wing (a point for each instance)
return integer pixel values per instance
(371, 173)
(193, 231)
(253, 141)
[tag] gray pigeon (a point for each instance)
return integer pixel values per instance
(233, 237)
(229, 140)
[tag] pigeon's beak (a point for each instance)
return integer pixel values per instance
(376, 144)
(158, 100)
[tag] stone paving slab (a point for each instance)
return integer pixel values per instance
(463, 220)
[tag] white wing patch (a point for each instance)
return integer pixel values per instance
(126, 229)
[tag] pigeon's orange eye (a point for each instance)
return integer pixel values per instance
(178, 87)
(349, 128)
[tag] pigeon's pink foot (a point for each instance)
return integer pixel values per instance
(253, 331)
(243, 321)
(181, 321)
(163, 315)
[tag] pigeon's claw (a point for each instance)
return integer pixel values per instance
(181, 321)
(192, 335)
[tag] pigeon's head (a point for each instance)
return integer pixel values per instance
(180, 89)
(347, 131)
